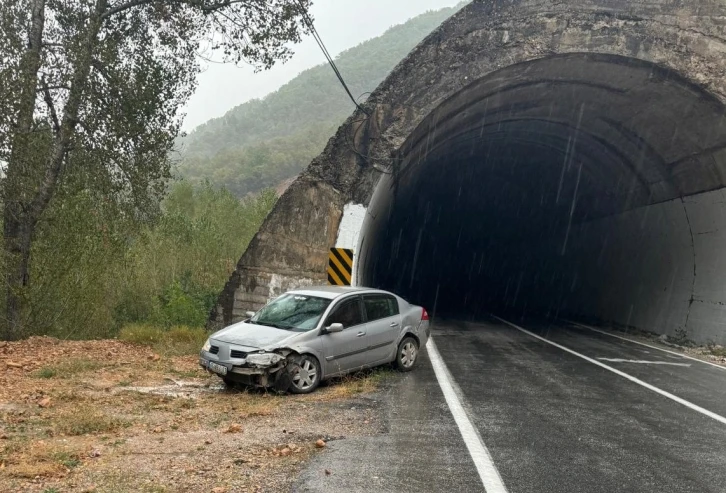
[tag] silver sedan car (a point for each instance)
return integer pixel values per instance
(308, 335)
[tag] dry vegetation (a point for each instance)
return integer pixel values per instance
(112, 416)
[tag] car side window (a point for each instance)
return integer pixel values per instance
(347, 313)
(380, 306)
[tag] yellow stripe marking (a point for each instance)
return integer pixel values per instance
(343, 270)
(332, 274)
(344, 254)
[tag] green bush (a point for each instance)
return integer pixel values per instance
(95, 270)
(181, 308)
(176, 270)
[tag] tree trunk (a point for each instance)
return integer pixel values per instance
(17, 248)
(21, 160)
(25, 203)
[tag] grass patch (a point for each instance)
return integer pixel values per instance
(67, 459)
(361, 382)
(718, 351)
(176, 341)
(69, 368)
(85, 421)
(40, 459)
(46, 372)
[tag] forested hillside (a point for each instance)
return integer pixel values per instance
(262, 142)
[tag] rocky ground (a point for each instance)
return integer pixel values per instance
(107, 416)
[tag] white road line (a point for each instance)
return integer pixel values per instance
(488, 473)
(648, 386)
(643, 361)
(644, 344)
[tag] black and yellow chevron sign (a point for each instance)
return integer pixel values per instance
(340, 266)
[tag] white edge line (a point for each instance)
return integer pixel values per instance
(644, 344)
(483, 462)
(648, 386)
(643, 362)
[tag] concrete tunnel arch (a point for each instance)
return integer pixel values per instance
(562, 158)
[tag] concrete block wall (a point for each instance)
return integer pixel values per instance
(660, 268)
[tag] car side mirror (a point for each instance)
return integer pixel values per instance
(249, 314)
(337, 327)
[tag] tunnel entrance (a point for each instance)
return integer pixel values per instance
(578, 184)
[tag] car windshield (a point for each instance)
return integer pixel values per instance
(292, 312)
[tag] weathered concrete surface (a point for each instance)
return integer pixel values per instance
(684, 39)
(287, 252)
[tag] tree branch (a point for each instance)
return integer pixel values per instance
(192, 3)
(53, 88)
(51, 107)
(61, 146)
(124, 6)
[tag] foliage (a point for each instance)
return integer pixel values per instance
(174, 271)
(95, 272)
(263, 142)
(257, 166)
(77, 253)
(93, 90)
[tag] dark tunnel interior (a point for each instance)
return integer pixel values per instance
(553, 186)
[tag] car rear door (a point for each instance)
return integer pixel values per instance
(346, 350)
(383, 322)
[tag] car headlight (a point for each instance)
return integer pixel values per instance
(263, 359)
(207, 346)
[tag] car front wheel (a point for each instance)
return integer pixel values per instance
(304, 374)
(407, 354)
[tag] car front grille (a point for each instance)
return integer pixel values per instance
(237, 354)
(214, 349)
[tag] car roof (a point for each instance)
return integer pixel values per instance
(332, 292)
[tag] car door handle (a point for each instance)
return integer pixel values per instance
(361, 334)
(394, 324)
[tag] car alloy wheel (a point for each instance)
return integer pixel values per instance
(305, 375)
(407, 354)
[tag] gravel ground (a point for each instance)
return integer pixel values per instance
(106, 416)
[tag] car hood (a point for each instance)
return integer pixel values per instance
(253, 336)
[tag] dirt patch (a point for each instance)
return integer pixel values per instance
(108, 416)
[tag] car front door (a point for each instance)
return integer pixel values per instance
(346, 350)
(383, 324)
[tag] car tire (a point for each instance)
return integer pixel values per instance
(305, 373)
(407, 354)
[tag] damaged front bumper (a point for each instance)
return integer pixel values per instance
(261, 369)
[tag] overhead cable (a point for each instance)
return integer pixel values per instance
(331, 62)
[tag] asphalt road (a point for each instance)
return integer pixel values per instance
(551, 421)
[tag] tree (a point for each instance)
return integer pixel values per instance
(96, 86)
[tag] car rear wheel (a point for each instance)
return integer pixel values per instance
(407, 354)
(304, 374)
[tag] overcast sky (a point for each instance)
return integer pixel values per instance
(341, 23)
